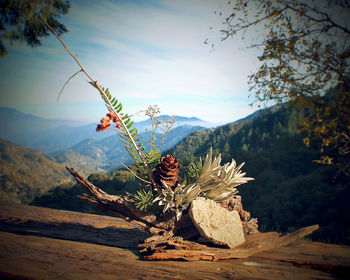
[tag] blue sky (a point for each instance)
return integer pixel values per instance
(145, 52)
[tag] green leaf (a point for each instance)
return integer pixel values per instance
(131, 153)
(124, 137)
(130, 124)
(93, 84)
(119, 108)
(125, 143)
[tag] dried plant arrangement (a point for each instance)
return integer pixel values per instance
(176, 212)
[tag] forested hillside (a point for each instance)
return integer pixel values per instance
(25, 174)
(290, 190)
(65, 196)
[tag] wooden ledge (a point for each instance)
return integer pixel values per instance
(41, 243)
(68, 225)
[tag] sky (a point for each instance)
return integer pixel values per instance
(146, 52)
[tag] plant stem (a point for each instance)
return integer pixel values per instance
(106, 100)
(135, 174)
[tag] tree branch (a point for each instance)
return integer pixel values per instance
(326, 17)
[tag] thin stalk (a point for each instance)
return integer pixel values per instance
(135, 174)
(105, 99)
(71, 77)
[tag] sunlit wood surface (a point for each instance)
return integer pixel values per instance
(41, 243)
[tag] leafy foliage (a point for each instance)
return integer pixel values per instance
(152, 158)
(327, 125)
(306, 52)
(144, 200)
(21, 20)
(194, 170)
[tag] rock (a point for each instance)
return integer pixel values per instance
(216, 223)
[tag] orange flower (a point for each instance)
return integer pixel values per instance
(102, 127)
(105, 122)
(112, 117)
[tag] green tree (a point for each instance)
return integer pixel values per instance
(305, 54)
(22, 20)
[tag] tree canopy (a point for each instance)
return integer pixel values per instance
(305, 60)
(22, 20)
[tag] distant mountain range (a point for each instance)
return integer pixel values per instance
(52, 135)
(179, 121)
(46, 135)
(103, 155)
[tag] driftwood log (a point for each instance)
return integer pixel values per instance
(163, 245)
(122, 206)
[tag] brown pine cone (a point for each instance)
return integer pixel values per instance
(167, 171)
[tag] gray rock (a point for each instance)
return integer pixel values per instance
(216, 223)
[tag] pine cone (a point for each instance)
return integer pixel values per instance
(167, 171)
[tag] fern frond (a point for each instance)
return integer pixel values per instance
(127, 132)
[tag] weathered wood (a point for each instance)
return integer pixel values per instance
(70, 225)
(178, 249)
(121, 206)
(28, 252)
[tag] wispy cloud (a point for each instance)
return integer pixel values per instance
(146, 52)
